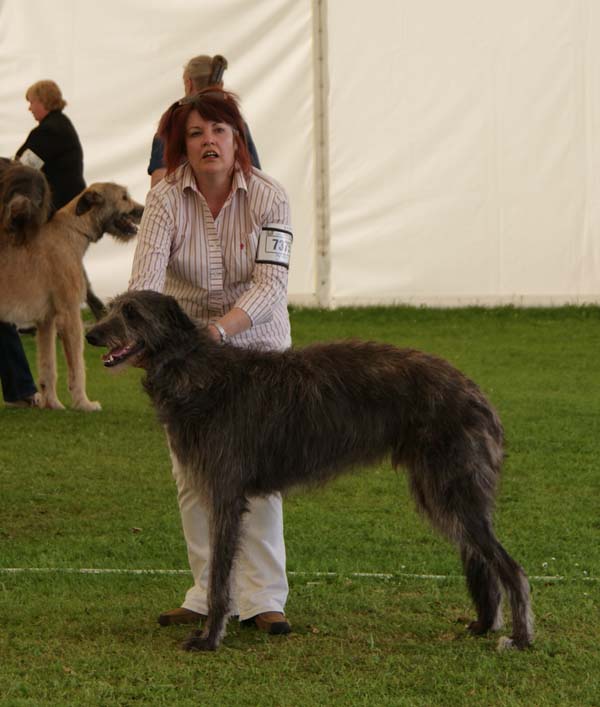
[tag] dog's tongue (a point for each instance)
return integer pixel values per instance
(115, 353)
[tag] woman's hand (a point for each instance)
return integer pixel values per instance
(232, 323)
(214, 333)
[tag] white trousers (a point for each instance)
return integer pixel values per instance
(259, 581)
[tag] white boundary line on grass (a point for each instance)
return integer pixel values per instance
(367, 575)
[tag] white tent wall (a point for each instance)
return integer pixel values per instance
(464, 151)
(119, 64)
(435, 152)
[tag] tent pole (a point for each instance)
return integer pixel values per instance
(321, 104)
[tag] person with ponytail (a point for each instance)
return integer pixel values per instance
(199, 73)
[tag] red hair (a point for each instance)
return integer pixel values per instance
(213, 104)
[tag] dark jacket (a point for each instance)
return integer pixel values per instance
(55, 141)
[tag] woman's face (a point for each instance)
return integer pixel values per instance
(37, 108)
(210, 147)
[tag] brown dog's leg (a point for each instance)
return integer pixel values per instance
(72, 340)
(95, 304)
(46, 356)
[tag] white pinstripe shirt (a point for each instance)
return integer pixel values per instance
(208, 264)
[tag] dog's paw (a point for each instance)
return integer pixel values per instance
(51, 404)
(506, 644)
(197, 642)
(88, 406)
(476, 628)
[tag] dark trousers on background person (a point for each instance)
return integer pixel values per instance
(15, 375)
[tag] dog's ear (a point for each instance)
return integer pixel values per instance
(177, 317)
(88, 199)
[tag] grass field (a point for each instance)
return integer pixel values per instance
(377, 602)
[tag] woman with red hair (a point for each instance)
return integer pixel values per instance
(199, 73)
(216, 236)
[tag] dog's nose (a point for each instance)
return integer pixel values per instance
(93, 338)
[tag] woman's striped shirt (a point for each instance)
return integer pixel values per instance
(209, 265)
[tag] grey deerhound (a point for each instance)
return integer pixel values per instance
(245, 423)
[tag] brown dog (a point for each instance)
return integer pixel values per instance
(24, 201)
(24, 207)
(44, 281)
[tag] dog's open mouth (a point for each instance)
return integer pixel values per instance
(122, 353)
(126, 225)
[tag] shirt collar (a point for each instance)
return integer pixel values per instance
(189, 182)
(239, 181)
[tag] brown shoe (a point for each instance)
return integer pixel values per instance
(273, 622)
(32, 401)
(180, 616)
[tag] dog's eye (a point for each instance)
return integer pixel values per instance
(130, 312)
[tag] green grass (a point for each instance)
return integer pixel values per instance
(95, 491)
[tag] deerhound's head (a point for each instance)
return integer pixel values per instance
(110, 209)
(24, 200)
(138, 325)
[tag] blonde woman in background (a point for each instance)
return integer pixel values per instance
(54, 146)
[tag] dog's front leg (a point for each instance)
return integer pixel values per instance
(226, 520)
(72, 340)
(46, 356)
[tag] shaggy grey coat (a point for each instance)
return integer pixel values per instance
(245, 423)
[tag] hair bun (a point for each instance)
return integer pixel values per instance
(218, 66)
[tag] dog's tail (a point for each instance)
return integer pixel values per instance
(453, 477)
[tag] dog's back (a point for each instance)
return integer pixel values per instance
(336, 405)
(35, 279)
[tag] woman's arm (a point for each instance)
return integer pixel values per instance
(234, 322)
(153, 249)
(40, 143)
(269, 279)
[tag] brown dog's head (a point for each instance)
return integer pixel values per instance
(138, 325)
(110, 209)
(24, 201)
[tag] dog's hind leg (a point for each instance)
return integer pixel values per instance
(489, 567)
(95, 304)
(493, 563)
(458, 499)
(486, 591)
(516, 585)
(72, 341)
(46, 356)
(226, 523)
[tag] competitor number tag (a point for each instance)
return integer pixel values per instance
(275, 245)
(30, 159)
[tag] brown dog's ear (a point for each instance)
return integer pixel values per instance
(88, 199)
